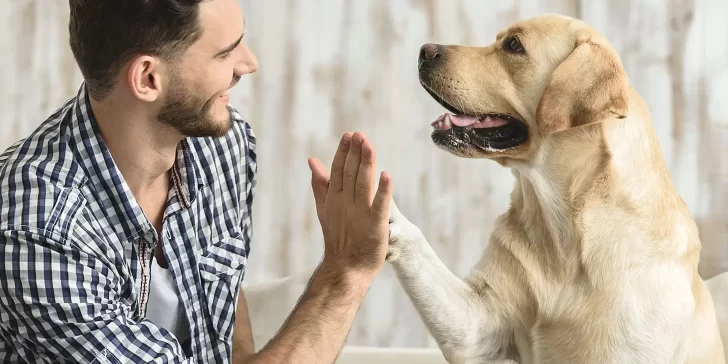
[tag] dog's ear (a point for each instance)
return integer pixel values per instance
(590, 85)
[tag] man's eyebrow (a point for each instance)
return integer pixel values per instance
(231, 47)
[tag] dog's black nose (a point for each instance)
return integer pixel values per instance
(429, 52)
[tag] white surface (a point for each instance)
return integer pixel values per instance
(369, 355)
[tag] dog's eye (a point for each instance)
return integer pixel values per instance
(513, 45)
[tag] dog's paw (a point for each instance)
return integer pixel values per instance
(402, 232)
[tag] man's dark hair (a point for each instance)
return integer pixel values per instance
(105, 34)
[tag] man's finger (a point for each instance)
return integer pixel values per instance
(337, 166)
(365, 180)
(351, 166)
(319, 183)
(382, 199)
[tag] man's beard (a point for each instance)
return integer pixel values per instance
(191, 115)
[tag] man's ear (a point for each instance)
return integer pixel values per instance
(143, 78)
(590, 85)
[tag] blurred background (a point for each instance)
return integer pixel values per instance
(331, 66)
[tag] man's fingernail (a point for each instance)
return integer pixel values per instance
(358, 139)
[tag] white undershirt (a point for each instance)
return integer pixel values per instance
(164, 307)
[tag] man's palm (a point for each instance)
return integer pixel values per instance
(352, 209)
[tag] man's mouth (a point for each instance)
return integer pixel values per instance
(235, 81)
(226, 95)
(489, 132)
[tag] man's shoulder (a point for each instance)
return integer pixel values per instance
(36, 172)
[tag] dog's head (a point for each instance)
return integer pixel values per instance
(541, 76)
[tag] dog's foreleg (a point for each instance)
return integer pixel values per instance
(466, 323)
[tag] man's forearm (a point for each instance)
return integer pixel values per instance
(317, 328)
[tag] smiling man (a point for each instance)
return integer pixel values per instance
(126, 215)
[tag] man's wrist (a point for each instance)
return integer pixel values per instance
(354, 281)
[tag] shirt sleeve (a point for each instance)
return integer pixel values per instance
(58, 301)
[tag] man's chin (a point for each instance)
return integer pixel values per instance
(210, 120)
(221, 121)
(206, 128)
(211, 129)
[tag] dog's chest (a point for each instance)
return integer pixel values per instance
(607, 320)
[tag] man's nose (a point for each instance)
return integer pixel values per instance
(248, 62)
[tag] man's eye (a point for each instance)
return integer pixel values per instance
(513, 45)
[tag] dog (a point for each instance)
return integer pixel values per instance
(596, 259)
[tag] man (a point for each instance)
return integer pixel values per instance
(126, 216)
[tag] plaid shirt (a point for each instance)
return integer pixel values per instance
(76, 246)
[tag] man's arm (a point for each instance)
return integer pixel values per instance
(57, 301)
(331, 297)
(354, 215)
(319, 324)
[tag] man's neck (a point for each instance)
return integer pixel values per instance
(142, 148)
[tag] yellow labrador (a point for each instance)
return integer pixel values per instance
(596, 260)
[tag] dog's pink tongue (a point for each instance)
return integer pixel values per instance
(463, 120)
(477, 122)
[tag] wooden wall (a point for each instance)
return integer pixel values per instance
(330, 66)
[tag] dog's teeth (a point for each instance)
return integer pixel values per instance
(447, 121)
(487, 119)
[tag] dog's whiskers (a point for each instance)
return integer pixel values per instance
(440, 82)
(471, 104)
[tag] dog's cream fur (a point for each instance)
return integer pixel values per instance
(596, 260)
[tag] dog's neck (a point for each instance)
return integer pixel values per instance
(615, 165)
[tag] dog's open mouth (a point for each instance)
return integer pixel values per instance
(489, 131)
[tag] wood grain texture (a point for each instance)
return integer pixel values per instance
(333, 66)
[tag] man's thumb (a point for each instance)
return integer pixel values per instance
(319, 181)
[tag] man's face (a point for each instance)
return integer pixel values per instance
(196, 103)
